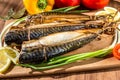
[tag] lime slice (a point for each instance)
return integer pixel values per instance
(12, 54)
(4, 61)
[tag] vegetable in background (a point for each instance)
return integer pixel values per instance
(66, 3)
(38, 6)
(95, 4)
(116, 51)
(65, 9)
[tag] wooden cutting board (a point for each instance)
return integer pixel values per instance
(91, 64)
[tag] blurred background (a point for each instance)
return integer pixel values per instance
(6, 5)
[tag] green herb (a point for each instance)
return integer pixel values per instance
(65, 9)
(18, 14)
(70, 8)
(14, 15)
(9, 15)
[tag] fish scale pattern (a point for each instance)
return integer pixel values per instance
(18, 36)
(37, 55)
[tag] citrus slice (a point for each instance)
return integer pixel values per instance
(12, 54)
(4, 61)
(114, 12)
(102, 13)
(110, 9)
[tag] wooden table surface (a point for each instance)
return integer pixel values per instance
(108, 74)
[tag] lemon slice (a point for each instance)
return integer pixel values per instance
(12, 54)
(110, 9)
(113, 12)
(102, 13)
(4, 61)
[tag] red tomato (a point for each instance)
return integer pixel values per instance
(116, 51)
(95, 4)
(66, 3)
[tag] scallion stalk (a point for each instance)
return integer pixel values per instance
(71, 8)
(65, 9)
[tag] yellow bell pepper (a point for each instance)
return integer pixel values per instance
(38, 6)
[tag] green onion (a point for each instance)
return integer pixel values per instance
(65, 9)
(71, 8)
(42, 68)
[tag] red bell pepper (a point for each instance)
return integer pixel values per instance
(116, 51)
(66, 3)
(95, 4)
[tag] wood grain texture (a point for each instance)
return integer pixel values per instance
(107, 74)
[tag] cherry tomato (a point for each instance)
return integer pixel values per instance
(95, 4)
(116, 51)
(66, 3)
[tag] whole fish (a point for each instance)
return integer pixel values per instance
(51, 39)
(56, 38)
(52, 17)
(57, 17)
(40, 54)
(18, 36)
(48, 17)
(98, 22)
